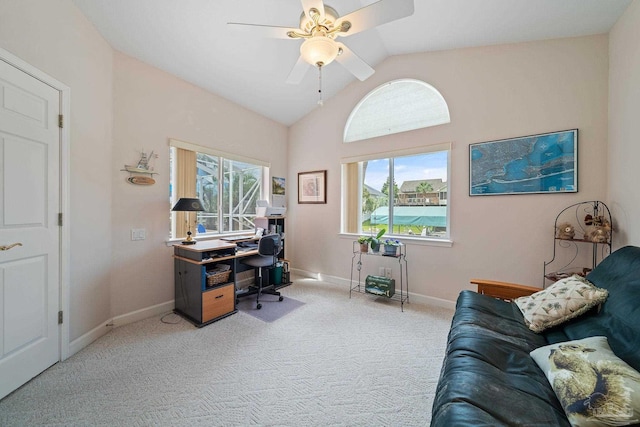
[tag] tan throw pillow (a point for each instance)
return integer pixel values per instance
(594, 386)
(564, 300)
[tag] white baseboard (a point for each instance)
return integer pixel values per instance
(165, 307)
(305, 273)
(124, 319)
(142, 314)
(413, 297)
(86, 339)
(427, 300)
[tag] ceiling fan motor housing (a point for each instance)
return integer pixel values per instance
(330, 16)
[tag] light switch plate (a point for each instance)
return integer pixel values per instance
(138, 234)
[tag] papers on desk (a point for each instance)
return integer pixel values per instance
(236, 238)
(247, 245)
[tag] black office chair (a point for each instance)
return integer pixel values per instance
(268, 249)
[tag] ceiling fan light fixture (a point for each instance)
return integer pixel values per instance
(319, 50)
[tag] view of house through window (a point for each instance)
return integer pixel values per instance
(228, 189)
(405, 195)
(404, 191)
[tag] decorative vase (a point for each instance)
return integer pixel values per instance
(364, 247)
(390, 250)
(375, 247)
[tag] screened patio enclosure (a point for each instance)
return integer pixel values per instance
(418, 216)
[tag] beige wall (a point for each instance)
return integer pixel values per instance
(151, 106)
(624, 126)
(493, 93)
(57, 39)
(120, 105)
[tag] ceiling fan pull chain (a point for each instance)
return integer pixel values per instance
(320, 102)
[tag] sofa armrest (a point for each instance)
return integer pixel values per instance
(503, 290)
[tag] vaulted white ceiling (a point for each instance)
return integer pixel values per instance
(191, 39)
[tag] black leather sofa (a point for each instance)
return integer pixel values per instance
(488, 377)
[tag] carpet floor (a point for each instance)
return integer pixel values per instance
(333, 361)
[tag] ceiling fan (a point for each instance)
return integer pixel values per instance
(320, 25)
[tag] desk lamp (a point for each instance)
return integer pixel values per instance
(187, 205)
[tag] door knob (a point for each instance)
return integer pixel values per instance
(6, 248)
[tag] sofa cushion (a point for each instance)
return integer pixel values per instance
(594, 386)
(619, 318)
(488, 377)
(565, 299)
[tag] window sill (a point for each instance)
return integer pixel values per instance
(407, 240)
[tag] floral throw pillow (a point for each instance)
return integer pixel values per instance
(593, 385)
(564, 300)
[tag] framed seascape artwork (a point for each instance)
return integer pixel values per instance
(544, 163)
(312, 187)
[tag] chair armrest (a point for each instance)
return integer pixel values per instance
(503, 290)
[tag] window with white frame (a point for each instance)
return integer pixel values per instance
(394, 107)
(404, 192)
(227, 185)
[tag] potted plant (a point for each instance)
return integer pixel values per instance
(375, 241)
(391, 247)
(364, 243)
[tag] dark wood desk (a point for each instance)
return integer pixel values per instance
(195, 298)
(201, 302)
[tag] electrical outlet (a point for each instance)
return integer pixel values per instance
(387, 273)
(138, 234)
(381, 272)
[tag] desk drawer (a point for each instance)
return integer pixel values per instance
(218, 302)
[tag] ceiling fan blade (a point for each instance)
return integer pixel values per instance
(376, 14)
(315, 4)
(298, 72)
(354, 63)
(263, 30)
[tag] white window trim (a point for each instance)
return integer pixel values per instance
(423, 149)
(427, 241)
(266, 188)
(408, 240)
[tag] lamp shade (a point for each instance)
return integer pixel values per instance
(188, 204)
(319, 50)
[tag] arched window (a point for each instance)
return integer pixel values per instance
(403, 192)
(396, 106)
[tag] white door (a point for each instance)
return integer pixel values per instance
(29, 231)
